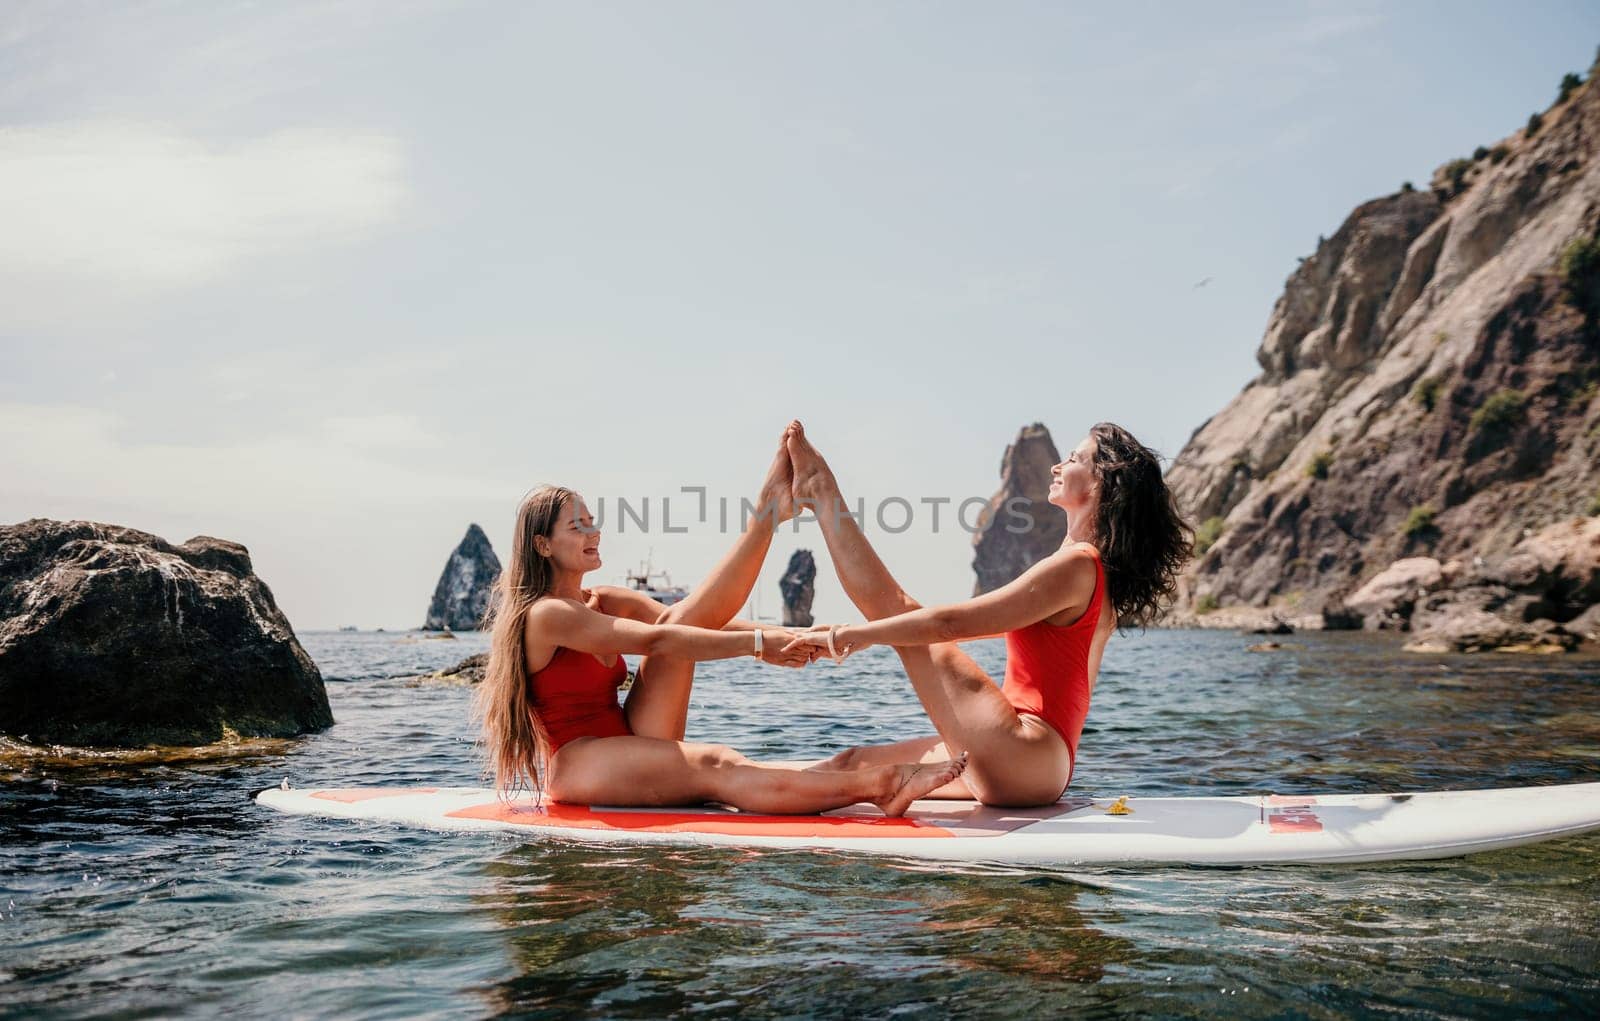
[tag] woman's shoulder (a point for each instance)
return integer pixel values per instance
(551, 609)
(1077, 557)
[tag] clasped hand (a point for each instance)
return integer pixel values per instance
(785, 647)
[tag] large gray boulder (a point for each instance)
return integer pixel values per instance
(1020, 527)
(114, 637)
(1540, 597)
(461, 599)
(1386, 601)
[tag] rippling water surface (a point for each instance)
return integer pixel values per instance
(162, 890)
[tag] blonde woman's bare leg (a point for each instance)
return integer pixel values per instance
(1015, 759)
(645, 771)
(658, 704)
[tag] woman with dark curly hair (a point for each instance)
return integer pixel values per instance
(1118, 565)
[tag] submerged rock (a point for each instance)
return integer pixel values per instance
(114, 637)
(1020, 527)
(469, 671)
(461, 599)
(1274, 626)
(797, 586)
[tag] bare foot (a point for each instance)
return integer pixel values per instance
(913, 781)
(777, 489)
(814, 483)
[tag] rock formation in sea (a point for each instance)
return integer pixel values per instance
(1429, 391)
(798, 588)
(111, 637)
(1020, 526)
(461, 599)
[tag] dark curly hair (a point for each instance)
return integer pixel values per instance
(1144, 542)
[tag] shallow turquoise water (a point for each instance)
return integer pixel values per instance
(165, 892)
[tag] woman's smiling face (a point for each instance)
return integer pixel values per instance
(574, 541)
(1073, 482)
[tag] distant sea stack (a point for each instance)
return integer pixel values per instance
(111, 637)
(461, 599)
(798, 588)
(1007, 543)
(1428, 411)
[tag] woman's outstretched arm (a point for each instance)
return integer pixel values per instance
(635, 605)
(567, 623)
(1059, 582)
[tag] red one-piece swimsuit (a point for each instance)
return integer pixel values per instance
(1047, 669)
(576, 696)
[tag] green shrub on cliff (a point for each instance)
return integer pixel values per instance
(1427, 392)
(1419, 522)
(1206, 603)
(1535, 122)
(1499, 414)
(1594, 505)
(1456, 173)
(1317, 467)
(1580, 271)
(1569, 82)
(1207, 534)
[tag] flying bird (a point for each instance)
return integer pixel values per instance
(1202, 283)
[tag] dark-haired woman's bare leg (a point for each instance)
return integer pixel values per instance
(658, 704)
(1014, 759)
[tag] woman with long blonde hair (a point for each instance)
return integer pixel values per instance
(548, 703)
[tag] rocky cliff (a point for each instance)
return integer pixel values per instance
(111, 637)
(1020, 526)
(797, 586)
(1428, 388)
(461, 599)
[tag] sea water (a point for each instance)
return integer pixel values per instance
(161, 890)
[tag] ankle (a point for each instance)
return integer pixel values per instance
(887, 782)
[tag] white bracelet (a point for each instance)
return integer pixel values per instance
(833, 653)
(758, 642)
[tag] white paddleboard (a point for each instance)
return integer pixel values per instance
(1075, 831)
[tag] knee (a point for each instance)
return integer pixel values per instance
(717, 757)
(850, 758)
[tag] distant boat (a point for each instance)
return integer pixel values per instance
(656, 584)
(349, 627)
(752, 607)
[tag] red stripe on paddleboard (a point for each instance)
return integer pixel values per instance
(351, 795)
(1294, 819)
(559, 816)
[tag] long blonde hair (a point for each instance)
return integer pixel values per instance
(513, 736)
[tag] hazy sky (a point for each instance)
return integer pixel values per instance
(334, 280)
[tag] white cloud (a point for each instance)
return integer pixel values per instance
(138, 207)
(380, 432)
(74, 459)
